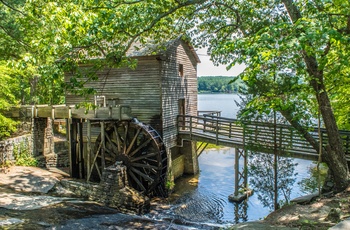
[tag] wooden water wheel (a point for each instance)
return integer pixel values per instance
(140, 148)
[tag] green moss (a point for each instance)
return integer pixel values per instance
(23, 155)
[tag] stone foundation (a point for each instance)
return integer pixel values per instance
(113, 191)
(8, 146)
(40, 143)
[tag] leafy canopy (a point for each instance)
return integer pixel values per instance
(260, 34)
(42, 39)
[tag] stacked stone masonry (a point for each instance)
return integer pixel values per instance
(40, 143)
(7, 148)
(113, 191)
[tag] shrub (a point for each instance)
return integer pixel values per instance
(23, 155)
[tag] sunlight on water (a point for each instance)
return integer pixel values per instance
(219, 102)
(207, 200)
(204, 198)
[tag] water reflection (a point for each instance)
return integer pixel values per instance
(318, 176)
(241, 212)
(262, 178)
(204, 198)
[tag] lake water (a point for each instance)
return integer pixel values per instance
(219, 102)
(204, 198)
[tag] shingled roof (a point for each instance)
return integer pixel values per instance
(138, 49)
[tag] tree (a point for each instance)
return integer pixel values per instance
(294, 52)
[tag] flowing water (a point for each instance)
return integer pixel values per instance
(198, 202)
(204, 198)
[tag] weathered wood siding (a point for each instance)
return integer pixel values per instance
(153, 89)
(139, 88)
(176, 87)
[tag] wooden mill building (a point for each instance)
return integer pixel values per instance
(163, 86)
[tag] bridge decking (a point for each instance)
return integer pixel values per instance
(256, 136)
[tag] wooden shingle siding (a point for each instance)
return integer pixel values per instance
(139, 88)
(175, 87)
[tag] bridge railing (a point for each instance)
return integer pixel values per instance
(259, 136)
(209, 112)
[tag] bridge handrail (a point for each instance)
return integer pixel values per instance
(209, 112)
(255, 134)
(268, 124)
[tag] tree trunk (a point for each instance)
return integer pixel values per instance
(334, 155)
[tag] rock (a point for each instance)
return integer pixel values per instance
(10, 222)
(306, 199)
(14, 201)
(334, 215)
(240, 197)
(29, 179)
(345, 224)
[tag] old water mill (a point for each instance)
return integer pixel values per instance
(144, 130)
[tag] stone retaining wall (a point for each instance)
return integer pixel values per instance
(7, 147)
(39, 143)
(113, 191)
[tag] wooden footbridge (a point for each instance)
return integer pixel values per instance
(262, 137)
(255, 136)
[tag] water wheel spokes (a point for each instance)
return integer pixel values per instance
(140, 148)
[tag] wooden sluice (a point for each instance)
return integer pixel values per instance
(75, 119)
(117, 112)
(104, 136)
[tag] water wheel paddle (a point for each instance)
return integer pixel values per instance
(140, 148)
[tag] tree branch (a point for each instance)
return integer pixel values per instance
(11, 7)
(14, 38)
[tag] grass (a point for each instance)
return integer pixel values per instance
(210, 146)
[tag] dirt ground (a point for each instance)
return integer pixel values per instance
(322, 213)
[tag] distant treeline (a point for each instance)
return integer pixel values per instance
(218, 84)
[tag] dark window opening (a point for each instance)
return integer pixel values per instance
(181, 70)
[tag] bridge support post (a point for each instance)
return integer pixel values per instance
(191, 160)
(241, 177)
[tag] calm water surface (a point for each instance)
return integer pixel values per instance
(204, 198)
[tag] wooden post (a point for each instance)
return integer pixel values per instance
(191, 127)
(103, 163)
(275, 161)
(230, 132)
(217, 131)
(81, 150)
(69, 139)
(245, 168)
(74, 166)
(88, 148)
(236, 171)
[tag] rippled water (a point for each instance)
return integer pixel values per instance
(204, 198)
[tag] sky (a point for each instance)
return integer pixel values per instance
(207, 68)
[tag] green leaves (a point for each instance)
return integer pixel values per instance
(261, 35)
